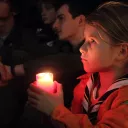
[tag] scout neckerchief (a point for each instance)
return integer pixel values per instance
(92, 86)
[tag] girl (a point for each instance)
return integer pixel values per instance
(100, 99)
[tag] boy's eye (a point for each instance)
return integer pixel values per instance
(60, 18)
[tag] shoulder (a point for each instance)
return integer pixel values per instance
(123, 93)
(121, 96)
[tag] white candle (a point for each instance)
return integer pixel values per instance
(45, 81)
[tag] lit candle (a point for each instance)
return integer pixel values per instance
(45, 81)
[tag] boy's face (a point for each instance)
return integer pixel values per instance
(65, 26)
(48, 13)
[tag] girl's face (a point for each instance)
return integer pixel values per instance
(97, 53)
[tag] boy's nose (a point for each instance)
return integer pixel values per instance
(54, 25)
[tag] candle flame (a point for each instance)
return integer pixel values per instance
(45, 81)
(47, 77)
(44, 76)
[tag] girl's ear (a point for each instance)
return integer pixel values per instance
(123, 52)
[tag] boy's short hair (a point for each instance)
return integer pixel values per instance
(55, 3)
(79, 7)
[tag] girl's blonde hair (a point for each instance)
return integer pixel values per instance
(112, 18)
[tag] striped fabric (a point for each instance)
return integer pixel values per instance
(91, 91)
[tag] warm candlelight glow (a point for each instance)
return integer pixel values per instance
(45, 81)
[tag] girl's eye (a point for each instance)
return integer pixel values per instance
(92, 41)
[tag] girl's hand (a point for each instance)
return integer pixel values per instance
(44, 101)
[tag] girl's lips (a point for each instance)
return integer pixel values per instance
(83, 59)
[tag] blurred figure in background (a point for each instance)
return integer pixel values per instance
(12, 97)
(47, 37)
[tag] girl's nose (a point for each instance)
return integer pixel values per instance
(83, 48)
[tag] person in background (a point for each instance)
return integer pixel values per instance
(12, 39)
(100, 99)
(12, 97)
(47, 38)
(48, 11)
